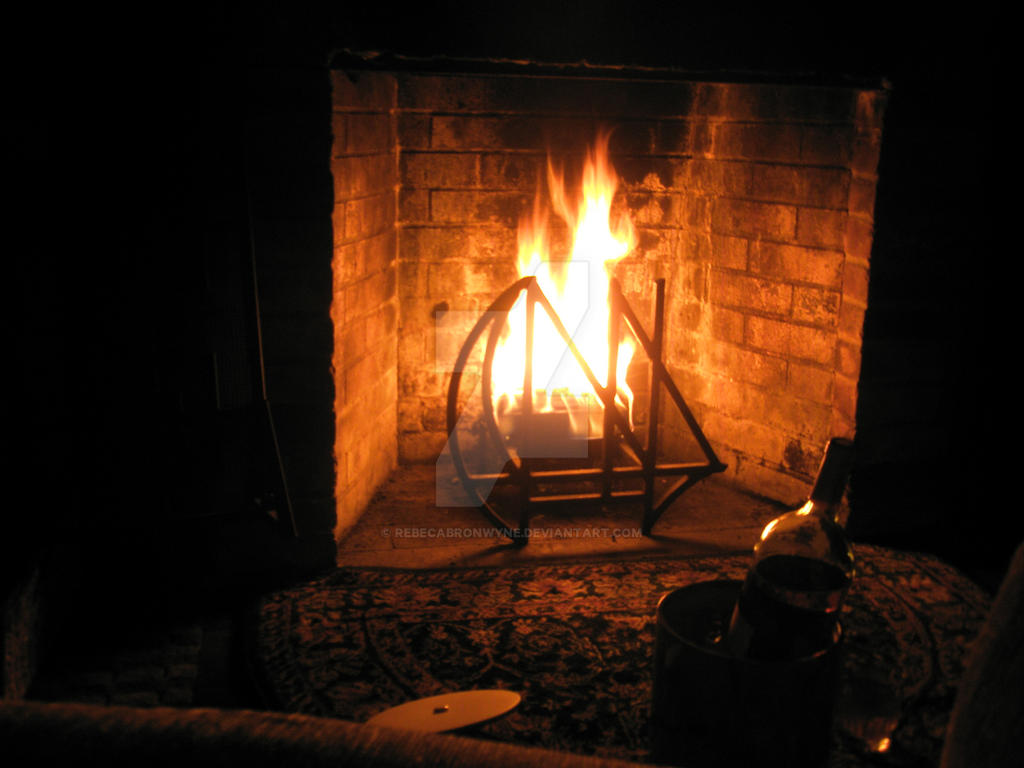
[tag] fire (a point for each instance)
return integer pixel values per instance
(578, 290)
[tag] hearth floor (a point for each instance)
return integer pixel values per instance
(403, 527)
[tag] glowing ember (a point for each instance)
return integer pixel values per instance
(578, 290)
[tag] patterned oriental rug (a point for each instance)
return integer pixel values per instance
(577, 641)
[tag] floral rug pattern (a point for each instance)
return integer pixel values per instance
(577, 641)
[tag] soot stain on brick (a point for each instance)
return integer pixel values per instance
(796, 458)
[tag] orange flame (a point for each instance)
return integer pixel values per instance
(578, 291)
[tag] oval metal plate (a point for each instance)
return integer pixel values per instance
(448, 711)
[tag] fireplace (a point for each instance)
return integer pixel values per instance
(385, 194)
(752, 201)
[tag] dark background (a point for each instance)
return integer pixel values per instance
(118, 149)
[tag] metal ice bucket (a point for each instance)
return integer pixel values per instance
(712, 709)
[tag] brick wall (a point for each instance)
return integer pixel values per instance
(365, 306)
(753, 201)
(782, 193)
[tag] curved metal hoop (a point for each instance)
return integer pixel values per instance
(495, 316)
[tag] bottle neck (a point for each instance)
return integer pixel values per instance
(830, 484)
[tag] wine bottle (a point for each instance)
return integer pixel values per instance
(802, 569)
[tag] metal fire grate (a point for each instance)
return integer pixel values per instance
(621, 457)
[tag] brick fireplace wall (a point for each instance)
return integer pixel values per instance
(753, 201)
(365, 305)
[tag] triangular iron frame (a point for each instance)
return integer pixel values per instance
(616, 426)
